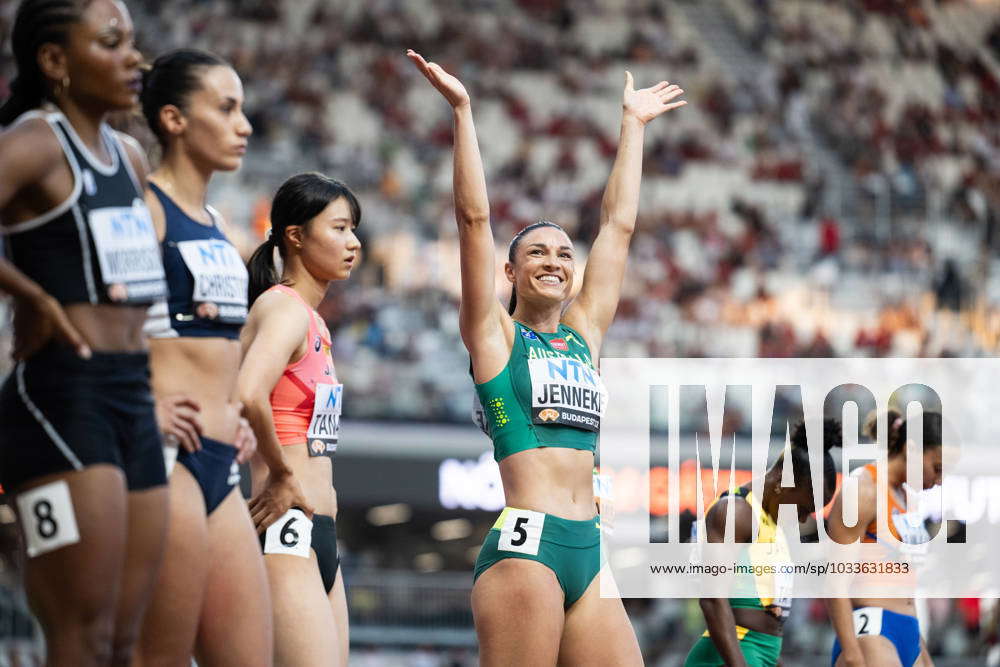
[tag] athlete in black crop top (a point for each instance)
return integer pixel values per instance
(79, 448)
(193, 103)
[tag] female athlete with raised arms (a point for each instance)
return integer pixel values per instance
(193, 101)
(80, 449)
(293, 401)
(536, 599)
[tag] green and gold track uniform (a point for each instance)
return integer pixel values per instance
(548, 395)
(772, 594)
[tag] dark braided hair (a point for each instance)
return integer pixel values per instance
(512, 251)
(833, 436)
(170, 81)
(299, 199)
(37, 22)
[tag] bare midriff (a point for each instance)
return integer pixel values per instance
(553, 480)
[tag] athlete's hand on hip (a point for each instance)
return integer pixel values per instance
(280, 493)
(179, 422)
(246, 441)
(40, 318)
(447, 85)
(647, 103)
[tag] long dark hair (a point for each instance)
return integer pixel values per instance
(512, 251)
(171, 80)
(299, 199)
(833, 436)
(897, 430)
(37, 22)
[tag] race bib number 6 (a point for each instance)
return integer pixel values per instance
(48, 518)
(290, 535)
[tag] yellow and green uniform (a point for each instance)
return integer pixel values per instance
(548, 395)
(771, 594)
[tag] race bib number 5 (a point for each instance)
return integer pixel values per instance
(48, 518)
(324, 427)
(521, 531)
(568, 392)
(290, 535)
(128, 252)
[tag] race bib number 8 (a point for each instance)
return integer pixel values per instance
(568, 392)
(324, 427)
(521, 531)
(290, 535)
(48, 518)
(128, 252)
(220, 280)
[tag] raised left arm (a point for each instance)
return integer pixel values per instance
(594, 308)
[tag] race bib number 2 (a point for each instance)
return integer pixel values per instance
(290, 535)
(48, 518)
(324, 427)
(568, 392)
(128, 252)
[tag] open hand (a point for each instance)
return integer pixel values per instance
(280, 494)
(177, 416)
(446, 84)
(647, 103)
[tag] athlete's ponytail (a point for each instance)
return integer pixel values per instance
(299, 199)
(37, 22)
(897, 430)
(512, 251)
(833, 435)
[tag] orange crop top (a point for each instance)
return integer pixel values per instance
(306, 401)
(907, 528)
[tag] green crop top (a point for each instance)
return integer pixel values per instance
(548, 395)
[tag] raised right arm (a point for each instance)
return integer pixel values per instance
(487, 329)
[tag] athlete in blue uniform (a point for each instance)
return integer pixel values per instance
(193, 102)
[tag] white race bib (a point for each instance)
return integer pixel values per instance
(867, 621)
(48, 518)
(290, 535)
(521, 531)
(128, 252)
(324, 427)
(566, 391)
(220, 280)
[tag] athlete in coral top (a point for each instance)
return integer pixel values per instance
(292, 398)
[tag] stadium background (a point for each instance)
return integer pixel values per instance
(832, 189)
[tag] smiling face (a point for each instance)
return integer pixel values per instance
(330, 248)
(543, 267)
(99, 59)
(212, 128)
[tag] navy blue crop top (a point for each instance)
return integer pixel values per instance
(206, 277)
(99, 245)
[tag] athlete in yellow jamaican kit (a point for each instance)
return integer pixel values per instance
(536, 598)
(747, 631)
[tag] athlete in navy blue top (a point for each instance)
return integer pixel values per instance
(192, 101)
(80, 451)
